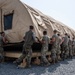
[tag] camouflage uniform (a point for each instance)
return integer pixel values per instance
(70, 48)
(1, 48)
(58, 48)
(54, 47)
(27, 50)
(73, 46)
(65, 48)
(44, 49)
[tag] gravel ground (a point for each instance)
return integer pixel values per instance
(66, 67)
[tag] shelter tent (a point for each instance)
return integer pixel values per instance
(16, 17)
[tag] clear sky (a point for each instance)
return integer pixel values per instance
(61, 10)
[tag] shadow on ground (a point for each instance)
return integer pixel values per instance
(10, 69)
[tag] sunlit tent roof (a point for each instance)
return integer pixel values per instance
(16, 17)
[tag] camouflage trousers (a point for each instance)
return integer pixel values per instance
(43, 55)
(27, 54)
(70, 51)
(58, 51)
(65, 51)
(53, 53)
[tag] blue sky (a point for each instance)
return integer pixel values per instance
(61, 10)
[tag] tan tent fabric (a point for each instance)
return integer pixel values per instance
(24, 16)
(40, 21)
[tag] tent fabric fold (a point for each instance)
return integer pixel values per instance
(23, 17)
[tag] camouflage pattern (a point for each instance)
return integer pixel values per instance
(70, 48)
(65, 47)
(73, 46)
(54, 47)
(59, 48)
(27, 50)
(65, 51)
(25, 55)
(44, 49)
(58, 52)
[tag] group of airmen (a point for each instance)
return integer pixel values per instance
(63, 46)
